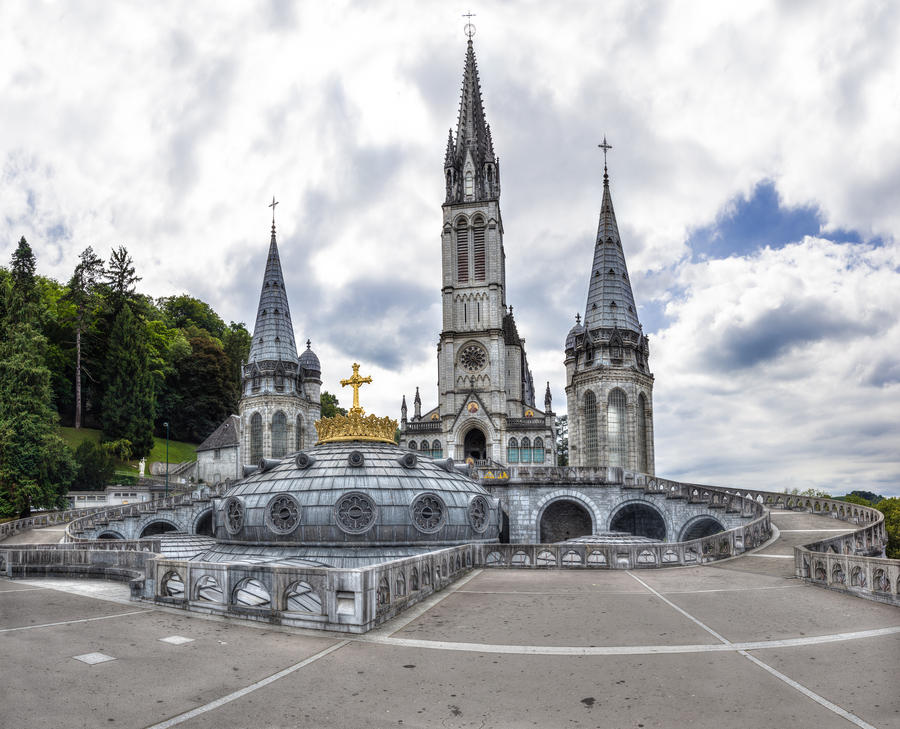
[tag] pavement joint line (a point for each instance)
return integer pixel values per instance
(772, 556)
(592, 594)
(401, 621)
(804, 531)
(72, 622)
(24, 589)
(812, 695)
(228, 698)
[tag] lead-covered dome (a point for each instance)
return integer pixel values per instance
(357, 493)
(309, 360)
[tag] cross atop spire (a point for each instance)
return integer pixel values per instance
(272, 205)
(605, 147)
(469, 28)
(356, 382)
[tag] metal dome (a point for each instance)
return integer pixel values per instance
(309, 360)
(356, 493)
(574, 332)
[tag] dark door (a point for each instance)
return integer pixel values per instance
(474, 445)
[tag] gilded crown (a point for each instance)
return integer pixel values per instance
(356, 425)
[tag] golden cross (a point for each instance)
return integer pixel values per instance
(356, 382)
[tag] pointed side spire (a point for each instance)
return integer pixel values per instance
(448, 155)
(403, 410)
(417, 406)
(548, 399)
(273, 335)
(610, 301)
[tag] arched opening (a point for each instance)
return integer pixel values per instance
(591, 452)
(110, 535)
(642, 433)
(641, 520)
(158, 527)
(204, 524)
(475, 445)
(298, 441)
(279, 435)
(615, 429)
(504, 527)
(462, 251)
(703, 527)
(564, 519)
(256, 438)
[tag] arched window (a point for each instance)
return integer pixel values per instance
(642, 433)
(256, 438)
(478, 249)
(412, 445)
(470, 184)
(462, 252)
(512, 451)
(525, 451)
(538, 451)
(425, 448)
(591, 455)
(298, 445)
(436, 450)
(615, 429)
(279, 435)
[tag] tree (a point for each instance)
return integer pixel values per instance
(22, 296)
(236, 343)
(120, 278)
(869, 496)
(96, 466)
(129, 404)
(36, 466)
(854, 499)
(330, 406)
(82, 292)
(891, 510)
(185, 311)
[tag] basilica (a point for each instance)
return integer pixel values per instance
(486, 411)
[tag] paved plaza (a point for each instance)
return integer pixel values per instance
(740, 644)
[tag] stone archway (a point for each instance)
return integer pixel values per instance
(564, 519)
(475, 444)
(204, 524)
(701, 526)
(640, 519)
(158, 527)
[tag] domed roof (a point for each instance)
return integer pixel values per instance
(309, 360)
(574, 332)
(348, 494)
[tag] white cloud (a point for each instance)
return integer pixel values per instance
(169, 126)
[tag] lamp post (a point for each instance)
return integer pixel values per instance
(167, 458)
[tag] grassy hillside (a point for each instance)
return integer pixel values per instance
(178, 450)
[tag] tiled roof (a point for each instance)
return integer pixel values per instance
(227, 435)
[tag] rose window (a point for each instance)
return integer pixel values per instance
(473, 358)
(234, 515)
(355, 513)
(283, 514)
(478, 513)
(428, 512)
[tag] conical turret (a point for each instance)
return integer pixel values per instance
(610, 302)
(273, 334)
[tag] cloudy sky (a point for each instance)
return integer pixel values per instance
(755, 175)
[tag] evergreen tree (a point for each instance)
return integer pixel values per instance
(236, 343)
(120, 279)
(129, 404)
(82, 292)
(22, 298)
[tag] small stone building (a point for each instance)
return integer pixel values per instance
(218, 457)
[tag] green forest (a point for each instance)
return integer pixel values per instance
(95, 353)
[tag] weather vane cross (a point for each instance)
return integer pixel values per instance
(356, 382)
(272, 205)
(469, 28)
(605, 147)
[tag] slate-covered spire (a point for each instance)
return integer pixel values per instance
(610, 302)
(273, 335)
(548, 399)
(472, 150)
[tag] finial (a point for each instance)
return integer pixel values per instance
(469, 29)
(272, 205)
(577, 318)
(308, 344)
(605, 147)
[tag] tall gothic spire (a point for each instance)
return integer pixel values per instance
(610, 302)
(472, 151)
(273, 335)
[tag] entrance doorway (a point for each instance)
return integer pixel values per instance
(564, 520)
(474, 445)
(640, 520)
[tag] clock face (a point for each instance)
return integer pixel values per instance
(473, 358)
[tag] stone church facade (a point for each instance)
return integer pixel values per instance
(486, 407)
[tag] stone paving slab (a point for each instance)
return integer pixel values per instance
(386, 686)
(862, 677)
(686, 579)
(36, 607)
(774, 614)
(149, 681)
(556, 581)
(542, 619)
